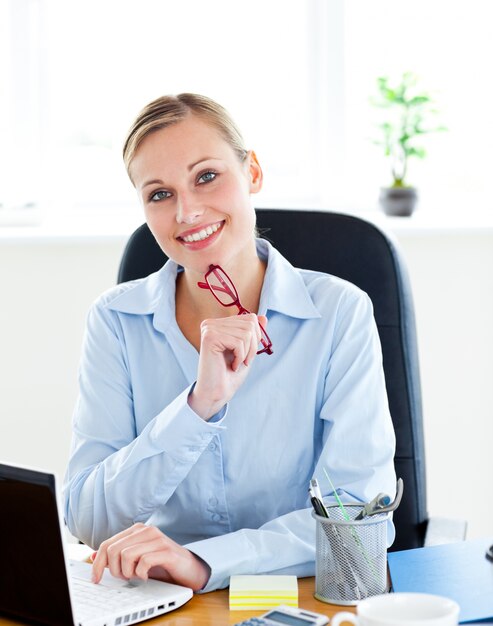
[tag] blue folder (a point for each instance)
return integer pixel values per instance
(459, 571)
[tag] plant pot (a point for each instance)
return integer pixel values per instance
(400, 201)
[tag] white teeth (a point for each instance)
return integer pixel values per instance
(202, 234)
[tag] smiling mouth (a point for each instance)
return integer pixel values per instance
(203, 234)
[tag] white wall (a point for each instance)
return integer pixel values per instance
(452, 278)
(47, 285)
(46, 290)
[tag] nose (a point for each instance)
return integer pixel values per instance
(187, 211)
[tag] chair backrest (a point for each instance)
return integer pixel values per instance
(358, 251)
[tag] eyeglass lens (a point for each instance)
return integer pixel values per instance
(223, 289)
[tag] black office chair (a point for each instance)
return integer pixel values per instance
(358, 251)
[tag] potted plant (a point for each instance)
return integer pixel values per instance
(408, 112)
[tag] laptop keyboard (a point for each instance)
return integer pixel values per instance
(92, 600)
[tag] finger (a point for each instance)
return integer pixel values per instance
(246, 348)
(130, 557)
(157, 559)
(249, 335)
(158, 572)
(256, 338)
(100, 561)
(236, 338)
(253, 344)
(176, 564)
(223, 324)
(245, 328)
(239, 349)
(262, 320)
(100, 558)
(233, 339)
(141, 535)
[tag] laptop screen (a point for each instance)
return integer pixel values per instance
(34, 583)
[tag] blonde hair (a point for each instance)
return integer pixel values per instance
(168, 110)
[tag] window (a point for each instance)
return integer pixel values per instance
(98, 63)
(449, 45)
(20, 123)
(296, 76)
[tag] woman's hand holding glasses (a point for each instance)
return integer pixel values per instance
(227, 347)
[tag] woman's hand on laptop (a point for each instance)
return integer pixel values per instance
(145, 552)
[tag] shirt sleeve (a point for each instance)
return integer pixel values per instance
(357, 454)
(114, 477)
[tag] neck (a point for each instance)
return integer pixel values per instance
(247, 274)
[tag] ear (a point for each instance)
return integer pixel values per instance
(255, 171)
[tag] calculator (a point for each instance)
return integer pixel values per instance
(286, 616)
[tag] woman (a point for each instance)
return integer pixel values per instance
(194, 439)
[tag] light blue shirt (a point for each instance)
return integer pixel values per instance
(233, 490)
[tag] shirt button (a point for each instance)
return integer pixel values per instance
(215, 517)
(213, 501)
(212, 446)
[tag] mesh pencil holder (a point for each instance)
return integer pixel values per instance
(351, 556)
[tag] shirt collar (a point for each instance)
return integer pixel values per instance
(153, 295)
(284, 291)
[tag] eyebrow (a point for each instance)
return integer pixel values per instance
(190, 167)
(152, 182)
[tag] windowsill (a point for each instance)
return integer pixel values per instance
(433, 223)
(104, 226)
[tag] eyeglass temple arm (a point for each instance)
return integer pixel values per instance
(216, 288)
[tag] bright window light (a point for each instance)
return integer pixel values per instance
(449, 45)
(103, 61)
(296, 76)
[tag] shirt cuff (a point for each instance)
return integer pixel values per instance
(223, 554)
(217, 416)
(179, 431)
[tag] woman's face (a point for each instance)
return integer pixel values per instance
(196, 195)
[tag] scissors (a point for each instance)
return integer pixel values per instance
(381, 503)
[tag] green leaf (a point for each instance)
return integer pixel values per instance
(409, 111)
(417, 152)
(419, 100)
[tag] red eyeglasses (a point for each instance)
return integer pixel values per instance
(222, 288)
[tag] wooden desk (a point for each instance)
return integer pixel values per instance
(211, 609)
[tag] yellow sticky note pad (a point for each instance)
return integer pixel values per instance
(262, 592)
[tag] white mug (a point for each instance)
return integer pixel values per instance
(402, 609)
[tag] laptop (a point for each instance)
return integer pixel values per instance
(39, 584)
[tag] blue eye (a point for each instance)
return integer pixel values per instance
(159, 195)
(207, 177)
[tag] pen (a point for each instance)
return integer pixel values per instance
(318, 507)
(316, 489)
(317, 499)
